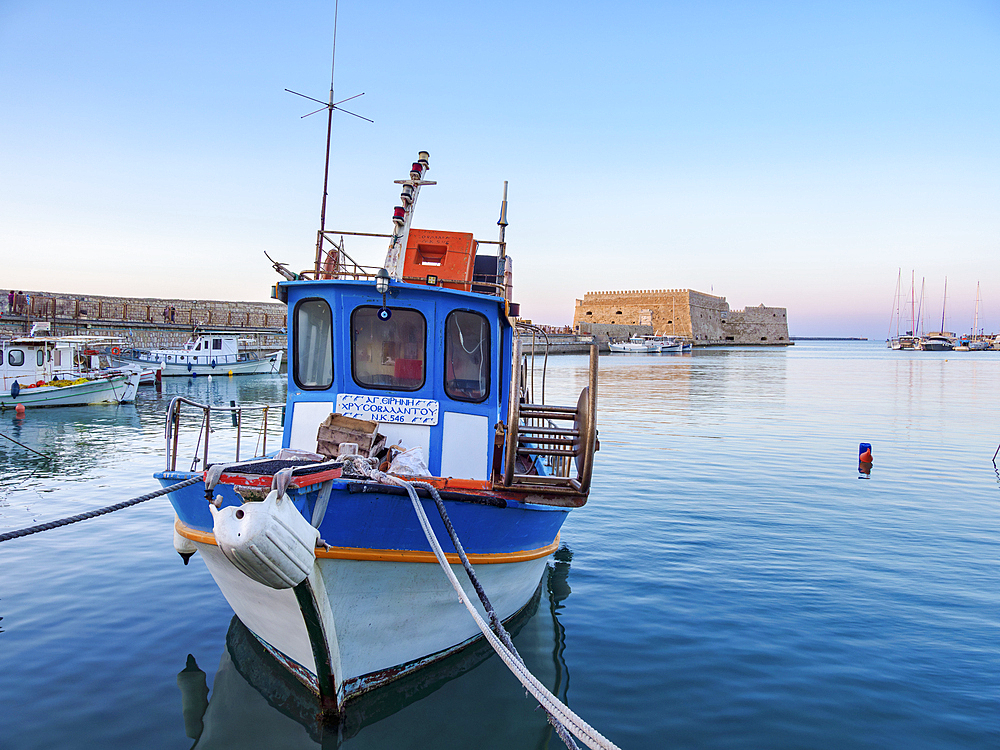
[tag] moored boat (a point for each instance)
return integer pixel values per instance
(935, 342)
(205, 353)
(415, 370)
(636, 345)
(669, 344)
(42, 370)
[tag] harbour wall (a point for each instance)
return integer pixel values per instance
(142, 319)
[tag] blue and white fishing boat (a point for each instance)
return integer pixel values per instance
(413, 370)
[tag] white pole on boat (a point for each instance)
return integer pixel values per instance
(920, 309)
(403, 215)
(944, 302)
(895, 305)
(975, 317)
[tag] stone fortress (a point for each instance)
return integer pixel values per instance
(702, 318)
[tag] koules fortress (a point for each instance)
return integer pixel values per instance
(703, 318)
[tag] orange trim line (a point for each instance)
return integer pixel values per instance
(393, 555)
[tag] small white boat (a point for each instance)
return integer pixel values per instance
(669, 344)
(206, 353)
(907, 341)
(60, 371)
(934, 342)
(636, 345)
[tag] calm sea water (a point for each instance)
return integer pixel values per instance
(733, 582)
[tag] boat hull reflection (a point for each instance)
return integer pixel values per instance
(467, 699)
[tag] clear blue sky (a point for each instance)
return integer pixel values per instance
(788, 153)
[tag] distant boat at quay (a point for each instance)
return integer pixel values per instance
(39, 370)
(645, 344)
(207, 353)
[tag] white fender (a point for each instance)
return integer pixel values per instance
(269, 541)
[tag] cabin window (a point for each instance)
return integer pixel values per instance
(40, 357)
(467, 356)
(216, 344)
(15, 357)
(313, 344)
(388, 354)
(198, 348)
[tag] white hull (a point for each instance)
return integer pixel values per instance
(269, 364)
(382, 619)
(635, 348)
(117, 389)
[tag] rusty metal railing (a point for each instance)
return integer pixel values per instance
(172, 428)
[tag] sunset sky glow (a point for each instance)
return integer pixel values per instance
(786, 153)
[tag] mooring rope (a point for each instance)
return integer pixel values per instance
(498, 627)
(557, 710)
(100, 512)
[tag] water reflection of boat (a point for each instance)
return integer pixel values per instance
(256, 702)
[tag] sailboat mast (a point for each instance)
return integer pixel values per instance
(895, 305)
(975, 318)
(944, 302)
(920, 309)
(913, 302)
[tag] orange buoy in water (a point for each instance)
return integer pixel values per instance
(865, 452)
(19, 410)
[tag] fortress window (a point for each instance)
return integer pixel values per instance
(730, 338)
(618, 313)
(589, 312)
(763, 338)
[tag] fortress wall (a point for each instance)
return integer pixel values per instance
(757, 325)
(667, 311)
(142, 318)
(703, 318)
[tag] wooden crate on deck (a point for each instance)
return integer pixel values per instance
(339, 429)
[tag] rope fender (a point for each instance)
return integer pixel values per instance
(100, 512)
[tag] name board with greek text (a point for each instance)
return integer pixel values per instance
(388, 408)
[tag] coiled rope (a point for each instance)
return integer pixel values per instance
(100, 512)
(560, 715)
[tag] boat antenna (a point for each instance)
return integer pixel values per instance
(329, 105)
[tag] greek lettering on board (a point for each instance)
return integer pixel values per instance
(388, 408)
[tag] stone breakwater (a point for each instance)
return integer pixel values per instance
(146, 321)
